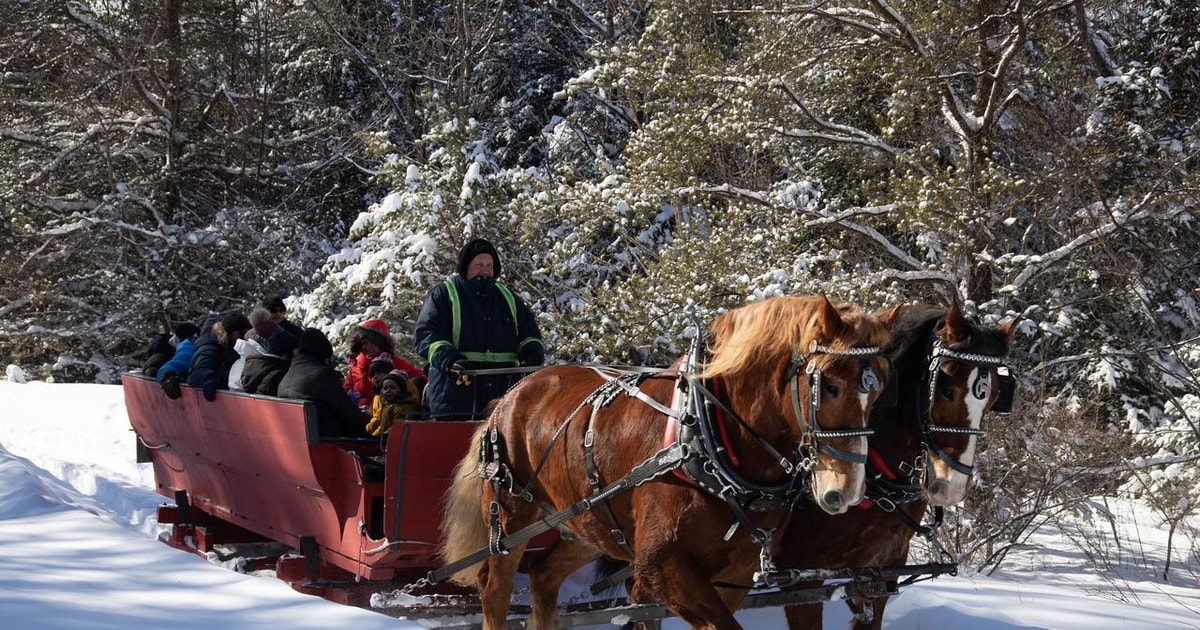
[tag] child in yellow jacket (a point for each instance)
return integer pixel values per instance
(397, 401)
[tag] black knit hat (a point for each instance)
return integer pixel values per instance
(282, 343)
(235, 321)
(473, 249)
(274, 302)
(185, 330)
(315, 344)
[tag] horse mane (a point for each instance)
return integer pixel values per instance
(765, 334)
(912, 329)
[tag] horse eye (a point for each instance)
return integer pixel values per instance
(948, 393)
(831, 390)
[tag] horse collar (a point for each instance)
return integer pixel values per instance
(702, 425)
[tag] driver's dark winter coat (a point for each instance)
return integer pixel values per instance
(487, 327)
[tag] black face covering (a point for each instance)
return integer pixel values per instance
(482, 286)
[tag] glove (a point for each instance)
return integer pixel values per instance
(373, 427)
(354, 396)
(170, 385)
(456, 370)
(531, 357)
(210, 390)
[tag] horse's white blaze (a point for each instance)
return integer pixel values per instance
(847, 478)
(955, 487)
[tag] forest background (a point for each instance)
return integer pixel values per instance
(1029, 159)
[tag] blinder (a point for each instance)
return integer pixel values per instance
(1006, 388)
(868, 380)
(981, 389)
(890, 396)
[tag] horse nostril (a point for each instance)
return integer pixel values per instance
(939, 488)
(834, 499)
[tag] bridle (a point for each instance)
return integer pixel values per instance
(981, 389)
(812, 435)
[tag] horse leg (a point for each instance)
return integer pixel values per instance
(863, 608)
(685, 589)
(495, 585)
(641, 624)
(546, 577)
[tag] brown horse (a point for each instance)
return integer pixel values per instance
(790, 382)
(948, 373)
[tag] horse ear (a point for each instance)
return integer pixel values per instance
(888, 317)
(957, 329)
(1009, 328)
(829, 321)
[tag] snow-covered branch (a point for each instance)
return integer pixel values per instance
(860, 19)
(833, 132)
(893, 17)
(1013, 44)
(842, 220)
(1144, 210)
(1140, 464)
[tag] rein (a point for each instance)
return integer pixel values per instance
(657, 465)
(526, 369)
(491, 456)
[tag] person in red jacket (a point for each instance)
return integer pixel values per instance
(373, 340)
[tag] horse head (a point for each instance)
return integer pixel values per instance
(965, 377)
(805, 372)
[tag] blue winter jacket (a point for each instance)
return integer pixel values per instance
(211, 362)
(180, 362)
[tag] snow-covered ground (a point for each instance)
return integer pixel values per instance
(78, 549)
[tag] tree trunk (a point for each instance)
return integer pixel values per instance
(172, 103)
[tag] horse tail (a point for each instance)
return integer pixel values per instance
(464, 529)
